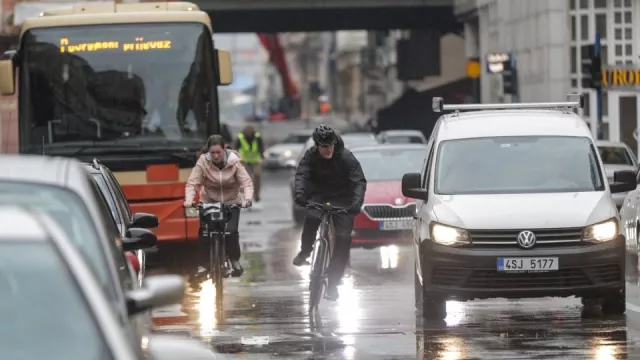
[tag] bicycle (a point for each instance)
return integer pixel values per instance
(213, 219)
(322, 252)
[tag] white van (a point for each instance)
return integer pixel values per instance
(513, 202)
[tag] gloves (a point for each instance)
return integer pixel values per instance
(354, 209)
(300, 201)
(246, 204)
(188, 204)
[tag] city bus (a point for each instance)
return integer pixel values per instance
(133, 85)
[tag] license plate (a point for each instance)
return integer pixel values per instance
(396, 225)
(528, 264)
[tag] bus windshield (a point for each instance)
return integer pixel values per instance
(116, 86)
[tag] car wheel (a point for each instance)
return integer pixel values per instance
(615, 304)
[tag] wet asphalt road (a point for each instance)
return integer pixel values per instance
(265, 315)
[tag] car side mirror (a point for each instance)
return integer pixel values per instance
(156, 291)
(623, 181)
(172, 346)
(411, 187)
(138, 239)
(144, 220)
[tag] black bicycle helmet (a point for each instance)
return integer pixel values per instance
(324, 135)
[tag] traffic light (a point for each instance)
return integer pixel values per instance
(509, 78)
(591, 64)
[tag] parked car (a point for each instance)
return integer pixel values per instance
(63, 189)
(512, 203)
(616, 156)
(401, 137)
(51, 284)
(387, 215)
(121, 211)
(285, 153)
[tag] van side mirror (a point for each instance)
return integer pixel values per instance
(623, 181)
(7, 81)
(145, 221)
(225, 75)
(138, 239)
(411, 187)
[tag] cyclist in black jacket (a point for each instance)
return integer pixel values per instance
(329, 173)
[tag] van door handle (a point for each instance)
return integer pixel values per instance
(416, 217)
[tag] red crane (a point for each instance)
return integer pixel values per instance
(290, 107)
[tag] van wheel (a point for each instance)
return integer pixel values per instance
(614, 304)
(433, 307)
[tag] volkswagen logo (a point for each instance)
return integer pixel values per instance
(526, 239)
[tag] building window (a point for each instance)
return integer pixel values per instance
(584, 27)
(628, 50)
(628, 33)
(601, 25)
(573, 56)
(618, 50)
(586, 110)
(618, 34)
(617, 17)
(604, 57)
(573, 28)
(584, 4)
(605, 130)
(600, 4)
(605, 104)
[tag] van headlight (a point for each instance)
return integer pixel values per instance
(448, 235)
(602, 231)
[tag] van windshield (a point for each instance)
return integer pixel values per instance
(515, 165)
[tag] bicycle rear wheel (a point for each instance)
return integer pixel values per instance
(317, 284)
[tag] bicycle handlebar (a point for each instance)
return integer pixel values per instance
(327, 208)
(200, 205)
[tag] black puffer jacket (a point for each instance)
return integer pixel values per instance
(338, 180)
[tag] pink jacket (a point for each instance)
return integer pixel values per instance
(219, 185)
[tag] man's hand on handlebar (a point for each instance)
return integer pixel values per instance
(246, 204)
(189, 204)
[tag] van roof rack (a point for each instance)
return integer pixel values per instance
(439, 106)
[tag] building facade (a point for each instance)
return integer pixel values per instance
(545, 37)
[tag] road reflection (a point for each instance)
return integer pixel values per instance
(518, 339)
(206, 308)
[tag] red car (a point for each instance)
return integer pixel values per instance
(387, 216)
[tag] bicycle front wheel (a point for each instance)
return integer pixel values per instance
(317, 284)
(218, 272)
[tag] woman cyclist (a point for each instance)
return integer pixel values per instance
(221, 175)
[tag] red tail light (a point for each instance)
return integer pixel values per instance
(133, 260)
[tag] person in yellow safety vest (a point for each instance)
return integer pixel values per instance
(251, 149)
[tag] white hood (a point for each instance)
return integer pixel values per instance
(522, 211)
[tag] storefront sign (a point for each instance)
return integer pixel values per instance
(616, 77)
(495, 62)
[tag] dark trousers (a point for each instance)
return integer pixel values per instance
(343, 225)
(233, 238)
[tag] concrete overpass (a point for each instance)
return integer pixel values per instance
(326, 15)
